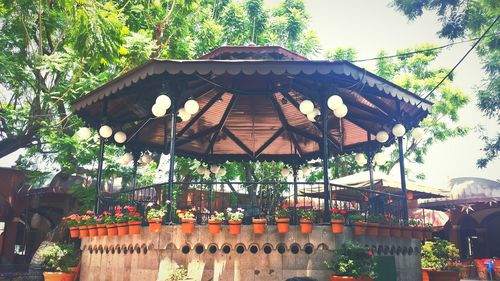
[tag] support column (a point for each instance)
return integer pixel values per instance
(135, 158)
(172, 159)
(403, 178)
(295, 195)
(326, 182)
(97, 205)
(372, 184)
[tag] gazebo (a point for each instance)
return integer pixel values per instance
(252, 104)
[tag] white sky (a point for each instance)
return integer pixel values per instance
(370, 26)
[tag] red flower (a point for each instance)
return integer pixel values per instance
(137, 214)
(336, 210)
(343, 212)
(370, 253)
(131, 210)
(283, 206)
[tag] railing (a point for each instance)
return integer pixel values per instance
(259, 199)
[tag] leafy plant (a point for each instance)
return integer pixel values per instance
(72, 220)
(353, 260)
(154, 213)
(356, 218)
(59, 257)
(217, 216)
(282, 212)
(185, 214)
(439, 255)
(235, 216)
(107, 218)
(307, 214)
(414, 222)
(375, 219)
(179, 274)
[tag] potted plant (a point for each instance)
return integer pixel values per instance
(187, 220)
(73, 222)
(101, 226)
(214, 223)
(372, 225)
(92, 224)
(134, 220)
(282, 217)
(58, 260)
(234, 219)
(155, 217)
(352, 262)
(121, 221)
(259, 225)
(406, 230)
(395, 226)
(306, 220)
(110, 223)
(83, 225)
(417, 230)
(338, 220)
(438, 258)
(359, 223)
(384, 228)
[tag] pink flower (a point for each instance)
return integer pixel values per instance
(370, 253)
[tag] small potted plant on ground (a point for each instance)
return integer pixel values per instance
(234, 219)
(121, 221)
(338, 220)
(214, 223)
(306, 220)
(188, 220)
(110, 223)
(101, 226)
(372, 225)
(155, 217)
(58, 260)
(134, 219)
(438, 259)
(282, 217)
(73, 222)
(352, 262)
(359, 224)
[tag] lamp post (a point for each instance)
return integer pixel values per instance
(326, 182)
(97, 205)
(403, 178)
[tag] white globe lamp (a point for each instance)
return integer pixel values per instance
(334, 102)
(191, 106)
(146, 158)
(306, 170)
(214, 168)
(222, 172)
(105, 131)
(285, 172)
(341, 111)
(417, 133)
(200, 170)
(306, 106)
(382, 136)
(398, 130)
(120, 137)
(360, 159)
(83, 133)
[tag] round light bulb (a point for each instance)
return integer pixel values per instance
(285, 172)
(164, 102)
(417, 133)
(334, 102)
(306, 170)
(214, 168)
(105, 131)
(306, 106)
(83, 133)
(341, 111)
(120, 137)
(146, 158)
(380, 158)
(191, 106)
(382, 136)
(200, 170)
(183, 114)
(127, 157)
(316, 111)
(398, 130)
(311, 116)
(222, 172)
(158, 111)
(360, 159)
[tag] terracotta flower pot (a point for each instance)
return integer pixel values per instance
(259, 226)
(84, 231)
(134, 227)
(74, 232)
(435, 275)
(214, 227)
(359, 228)
(395, 231)
(58, 276)
(337, 226)
(348, 278)
(154, 225)
(234, 227)
(122, 228)
(112, 229)
(283, 225)
(384, 230)
(187, 226)
(418, 233)
(102, 230)
(306, 226)
(92, 230)
(406, 232)
(372, 229)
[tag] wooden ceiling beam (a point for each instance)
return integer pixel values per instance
(222, 121)
(200, 113)
(269, 141)
(238, 142)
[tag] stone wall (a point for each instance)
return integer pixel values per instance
(242, 257)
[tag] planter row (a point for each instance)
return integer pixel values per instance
(259, 227)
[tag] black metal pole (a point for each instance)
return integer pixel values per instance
(172, 159)
(135, 158)
(326, 182)
(403, 178)
(100, 163)
(370, 171)
(295, 195)
(210, 194)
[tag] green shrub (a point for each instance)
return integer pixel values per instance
(59, 257)
(439, 255)
(353, 260)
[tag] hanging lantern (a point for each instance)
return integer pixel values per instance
(200, 170)
(191, 106)
(306, 106)
(285, 172)
(83, 133)
(222, 172)
(334, 102)
(380, 158)
(163, 102)
(120, 137)
(417, 133)
(158, 111)
(146, 158)
(183, 114)
(382, 136)
(306, 170)
(105, 131)
(127, 158)
(360, 159)
(341, 111)
(214, 168)
(398, 130)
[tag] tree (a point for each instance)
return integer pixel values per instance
(470, 19)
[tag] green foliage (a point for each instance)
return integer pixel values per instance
(353, 260)
(179, 274)
(348, 54)
(154, 213)
(307, 214)
(282, 213)
(59, 257)
(356, 218)
(439, 254)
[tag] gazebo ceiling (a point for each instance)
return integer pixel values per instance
(249, 105)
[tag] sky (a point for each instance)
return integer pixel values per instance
(370, 26)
